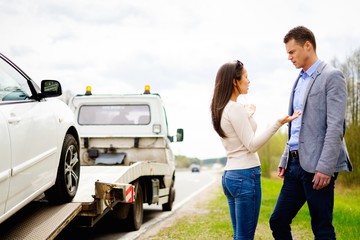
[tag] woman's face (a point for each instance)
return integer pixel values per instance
(242, 85)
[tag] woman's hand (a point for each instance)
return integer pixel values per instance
(250, 108)
(289, 118)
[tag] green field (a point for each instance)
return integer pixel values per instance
(215, 223)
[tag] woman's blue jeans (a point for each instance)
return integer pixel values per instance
(243, 192)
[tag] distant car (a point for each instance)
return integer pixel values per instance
(195, 168)
(39, 142)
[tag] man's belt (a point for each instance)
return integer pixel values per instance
(294, 154)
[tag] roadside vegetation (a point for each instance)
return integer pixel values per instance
(212, 221)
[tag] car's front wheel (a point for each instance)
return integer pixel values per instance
(67, 179)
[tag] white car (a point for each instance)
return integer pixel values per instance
(39, 142)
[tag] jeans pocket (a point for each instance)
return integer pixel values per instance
(239, 185)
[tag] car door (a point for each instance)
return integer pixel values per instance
(32, 129)
(5, 162)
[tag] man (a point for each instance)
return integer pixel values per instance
(316, 150)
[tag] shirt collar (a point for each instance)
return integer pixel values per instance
(310, 71)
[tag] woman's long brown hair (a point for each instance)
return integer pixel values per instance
(222, 92)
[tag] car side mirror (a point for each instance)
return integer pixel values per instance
(50, 88)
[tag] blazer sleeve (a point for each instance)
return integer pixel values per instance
(336, 97)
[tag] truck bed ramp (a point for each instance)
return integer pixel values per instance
(39, 220)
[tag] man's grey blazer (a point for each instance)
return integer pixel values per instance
(322, 146)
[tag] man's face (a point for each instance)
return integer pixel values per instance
(297, 54)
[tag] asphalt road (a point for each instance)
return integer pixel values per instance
(187, 185)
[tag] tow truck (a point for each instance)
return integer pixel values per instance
(126, 161)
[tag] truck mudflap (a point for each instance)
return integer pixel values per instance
(39, 220)
(112, 193)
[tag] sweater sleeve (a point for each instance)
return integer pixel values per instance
(240, 121)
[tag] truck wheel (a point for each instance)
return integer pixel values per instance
(136, 213)
(168, 206)
(67, 179)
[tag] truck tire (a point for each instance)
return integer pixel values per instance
(67, 179)
(168, 206)
(136, 213)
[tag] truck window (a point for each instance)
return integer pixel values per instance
(114, 115)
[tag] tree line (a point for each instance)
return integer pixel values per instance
(351, 70)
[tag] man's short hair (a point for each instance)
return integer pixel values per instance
(301, 34)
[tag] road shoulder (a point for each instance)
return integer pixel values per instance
(195, 206)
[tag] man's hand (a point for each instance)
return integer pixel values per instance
(320, 180)
(281, 172)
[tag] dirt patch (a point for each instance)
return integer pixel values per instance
(192, 207)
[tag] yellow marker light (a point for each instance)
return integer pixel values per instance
(147, 89)
(88, 90)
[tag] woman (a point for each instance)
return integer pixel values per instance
(236, 127)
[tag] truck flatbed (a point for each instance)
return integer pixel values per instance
(39, 220)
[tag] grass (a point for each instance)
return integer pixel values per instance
(213, 222)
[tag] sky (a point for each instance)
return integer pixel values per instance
(118, 46)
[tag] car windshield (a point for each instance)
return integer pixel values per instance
(114, 115)
(13, 86)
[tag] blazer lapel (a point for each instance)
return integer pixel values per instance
(314, 76)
